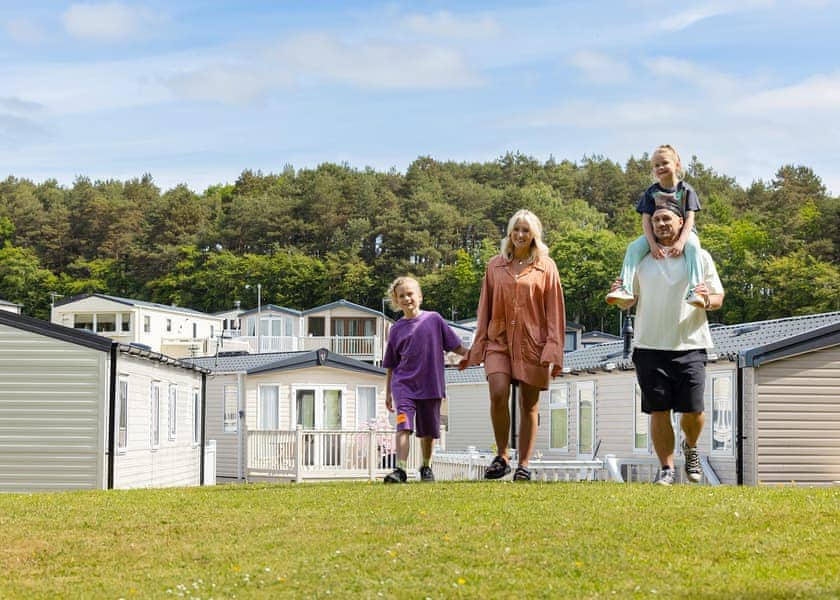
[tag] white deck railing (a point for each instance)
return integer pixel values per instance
(359, 347)
(302, 455)
(317, 455)
(643, 469)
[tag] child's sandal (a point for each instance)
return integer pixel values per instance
(522, 474)
(497, 469)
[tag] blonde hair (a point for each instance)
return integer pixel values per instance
(538, 247)
(675, 156)
(392, 290)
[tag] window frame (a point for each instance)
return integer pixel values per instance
(372, 415)
(261, 407)
(637, 415)
(730, 390)
(580, 387)
(172, 430)
(196, 402)
(558, 405)
(230, 425)
(122, 416)
(154, 401)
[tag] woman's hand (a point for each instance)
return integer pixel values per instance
(463, 364)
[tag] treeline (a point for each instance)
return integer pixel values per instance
(312, 236)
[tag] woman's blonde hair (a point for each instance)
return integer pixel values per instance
(675, 156)
(392, 290)
(538, 247)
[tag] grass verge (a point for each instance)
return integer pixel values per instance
(442, 540)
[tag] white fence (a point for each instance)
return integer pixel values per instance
(317, 455)
(302, 455)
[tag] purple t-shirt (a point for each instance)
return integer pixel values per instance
(415, 356)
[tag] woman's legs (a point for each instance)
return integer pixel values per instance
(499, 384)
(529, 397)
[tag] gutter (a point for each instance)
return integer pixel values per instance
(112, 415)
(739, 441)
(203, 427)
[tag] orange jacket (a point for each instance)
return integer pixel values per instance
(524, 316)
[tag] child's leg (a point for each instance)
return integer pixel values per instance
(636, 251)
(402, 440)
(692, 259)
(427, 445)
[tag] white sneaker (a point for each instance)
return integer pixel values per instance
(664, 476)
(693, 469)
(695, 300)
(620, 297)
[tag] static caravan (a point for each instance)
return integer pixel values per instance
(317, 390)
(81, 411)
(772, 404)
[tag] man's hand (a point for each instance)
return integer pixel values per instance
(389, 403)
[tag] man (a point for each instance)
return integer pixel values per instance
(670, 342)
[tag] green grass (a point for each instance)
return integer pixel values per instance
(464, 539)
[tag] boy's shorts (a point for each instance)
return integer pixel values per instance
(671, 380)
(420, 416)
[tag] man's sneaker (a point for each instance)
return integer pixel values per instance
(693, 470)
(396, 476)
(665, 476)
(426, 474)
(695, 300)
(620, 298)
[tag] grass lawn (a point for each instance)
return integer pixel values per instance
(442, 540)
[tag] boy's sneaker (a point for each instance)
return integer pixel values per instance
(695, 300)
(665, 476)
(426, 474)
(396, 476)
(693, 470)
(620, 298)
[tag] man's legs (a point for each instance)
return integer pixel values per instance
(663, 437)
(692, 425)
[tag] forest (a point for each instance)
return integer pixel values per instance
(312, 236)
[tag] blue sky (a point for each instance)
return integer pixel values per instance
(195, 92)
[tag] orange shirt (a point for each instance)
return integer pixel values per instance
(523, 316)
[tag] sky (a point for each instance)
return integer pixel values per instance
(195, 92)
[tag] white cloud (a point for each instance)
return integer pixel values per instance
(376, 65)
(318, 59)
(17, 106)
(817, 93)
(709, 10)
(111, 21)
(445, 24)
(600, 68)
(24, 30)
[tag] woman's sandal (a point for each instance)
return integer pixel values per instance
(522, 474)
(497, 469)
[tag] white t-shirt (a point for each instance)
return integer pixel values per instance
(664, 320)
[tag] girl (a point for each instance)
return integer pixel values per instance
(668, 189)
(414, 383)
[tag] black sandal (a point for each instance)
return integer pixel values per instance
(522, 474)
(497, 469)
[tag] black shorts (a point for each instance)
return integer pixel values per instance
(671, 380)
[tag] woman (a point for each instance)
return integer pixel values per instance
(519, 335)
